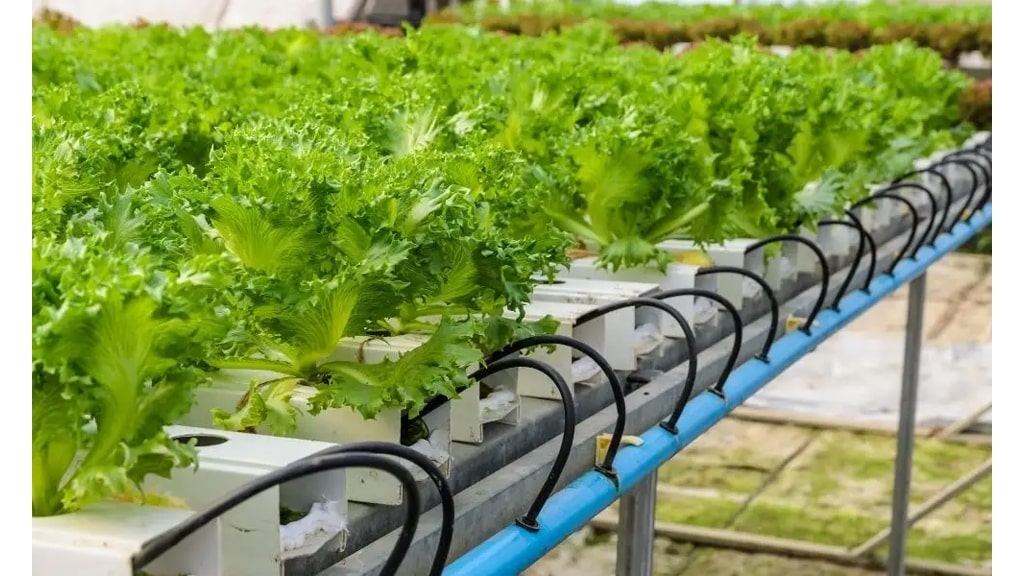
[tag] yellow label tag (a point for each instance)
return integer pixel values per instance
(605, 440)
(794, 322)
(693, 258)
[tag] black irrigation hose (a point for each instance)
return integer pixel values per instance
(444, 542)
(856, 260)
(872, 248)
(822, 261)
(931, 199)
(690, 337)
(945, 185)
(529, 521)
(970, 164)
(913, 223)
(986, 172)
(156, 547)
(769, 293)
(737, 323)
(607, 467)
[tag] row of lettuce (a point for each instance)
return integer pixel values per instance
(951, 30)
(246, 199)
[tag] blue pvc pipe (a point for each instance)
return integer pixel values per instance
(513, 550)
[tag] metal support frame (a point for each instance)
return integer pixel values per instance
(326, 14)
(511, 550)
(905, 433)
(635, 548)
(636, 525)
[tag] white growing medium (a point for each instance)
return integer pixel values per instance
(704, 310)
(497, 405)
(786, 267)
(434, 448)
(326, 517)
(751, 288)
(646, 338)
(584, 369)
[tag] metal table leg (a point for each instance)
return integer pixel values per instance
(635, 553)
(905, 434)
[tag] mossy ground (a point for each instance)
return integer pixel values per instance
(836, 489)
(828, 487)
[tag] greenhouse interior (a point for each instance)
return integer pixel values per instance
(510, 287)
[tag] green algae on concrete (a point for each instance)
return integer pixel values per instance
(722, 476)
(958, 532)
(711, 562)
(808, 523)
(839, 492)
(706, 511)
(734, 456)
(846, 470)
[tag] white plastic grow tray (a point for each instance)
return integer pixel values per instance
(676, 276)
(254, 542)
(335, 425)
(879, 214)
(734, 253)
(605, 334)
(534, 384)
(102, 539)
(469, 412)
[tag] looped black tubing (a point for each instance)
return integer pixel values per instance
(529, 521)
(970, 164)
(931, 199)
(690, 337)
(822, 261)
(737, 323)
(945, 185)
(769, 293)
(436, 476)
(856, 259)
(985, 144)
(607, 467)
(154, 548)
(986, 172)
(982, 153)
(872, 248)
(913, 224)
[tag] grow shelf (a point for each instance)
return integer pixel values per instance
(605, 332)
(104, 538)
(494, 502)
(333, 425)
(258, 539)
(510, 465)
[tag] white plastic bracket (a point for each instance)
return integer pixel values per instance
(103, 539)
(251, 539)
(675, 277)
(604, 334)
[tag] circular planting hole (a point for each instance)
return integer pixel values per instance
(202, 440)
